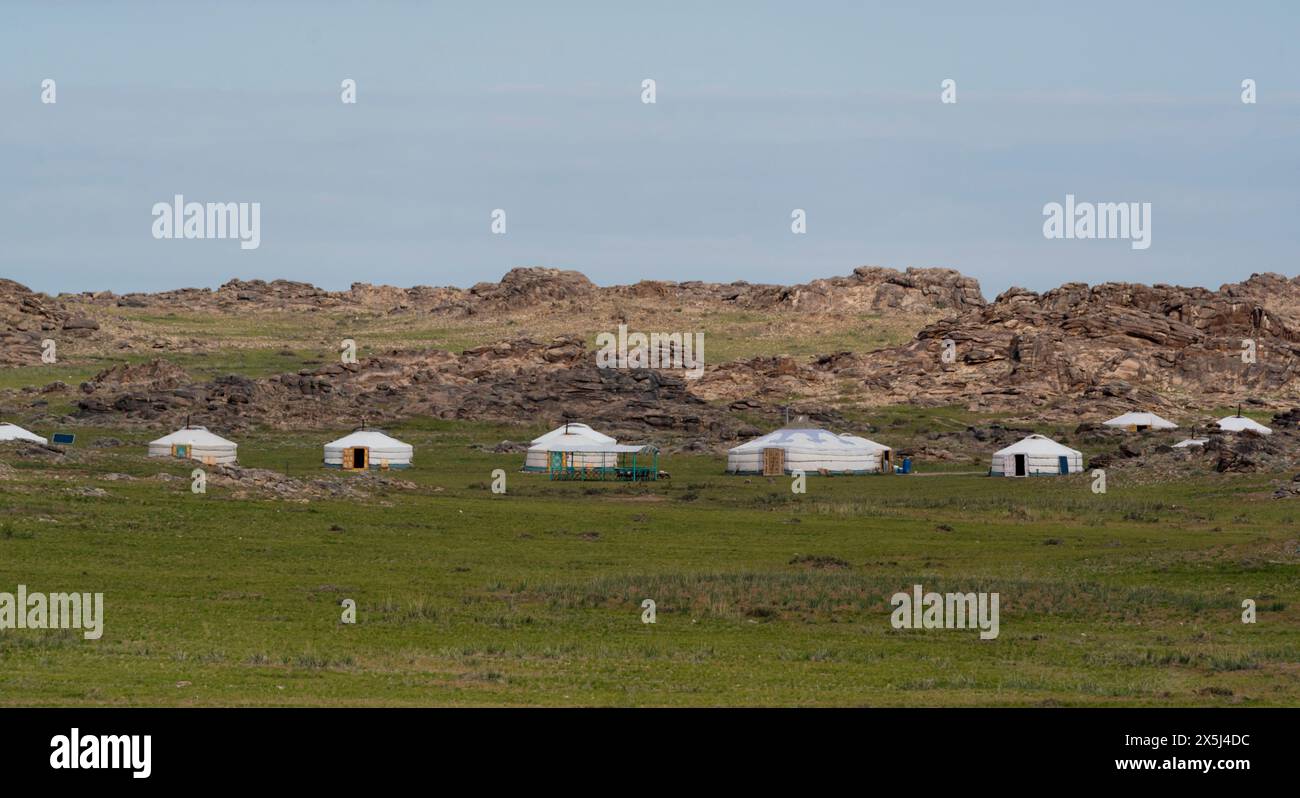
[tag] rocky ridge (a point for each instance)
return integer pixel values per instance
(1074, 353)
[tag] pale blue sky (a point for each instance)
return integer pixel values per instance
(535, 108)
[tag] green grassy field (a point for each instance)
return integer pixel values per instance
(264, 343)
(534, 597)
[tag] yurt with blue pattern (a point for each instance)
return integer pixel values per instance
(810, 450)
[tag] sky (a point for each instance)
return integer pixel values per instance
(536, 109)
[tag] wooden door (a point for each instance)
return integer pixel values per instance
(773, 462)
(356, 458)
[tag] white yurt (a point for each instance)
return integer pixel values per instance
(13, 432)
(809, 450)
(588, 448)
(884, 454)
(194, 443)
(1243, 424)
(1139, 421)
(1036, 456)
(368, 448)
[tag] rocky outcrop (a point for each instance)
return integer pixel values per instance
(530, 286)
(26, 319)
(158, 374)
(523, 379)
(1076, 351)
(867, 289)
(872, 289)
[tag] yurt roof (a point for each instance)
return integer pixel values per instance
(1140, 419)
(198, 436)
(587, 446)
(1038, 444)
(13, 432)
(370, 438)
(807, 438)
(574, 428)
(1241, 423)
(861, 441)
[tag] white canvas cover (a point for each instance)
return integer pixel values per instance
(380, 448)
(884, 457)
(13, 432)
(1191, 442)
(574, 429)
(194, 443)
(1243, 424)
(810, 450)
(572, 446)
(1140, 420)
(571, 438)
(1042, 457)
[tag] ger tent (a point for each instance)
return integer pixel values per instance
(368, 448)
(572, 437)
(1036, 455)
(194, 443)
(810, 450)
(1139, 421)
(583, 460)
(13, 432)
(1243, 424)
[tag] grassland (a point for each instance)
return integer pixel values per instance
(534, 597)
(255, 343)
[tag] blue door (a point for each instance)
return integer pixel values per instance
(1065, 464)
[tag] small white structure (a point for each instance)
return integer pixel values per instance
(368, 448)
(1034, 456)
(1191, 442)
(194, 443)
(810, 450)
(1243, 424)
(1137, 422)
(13, 432)
(584, 448)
